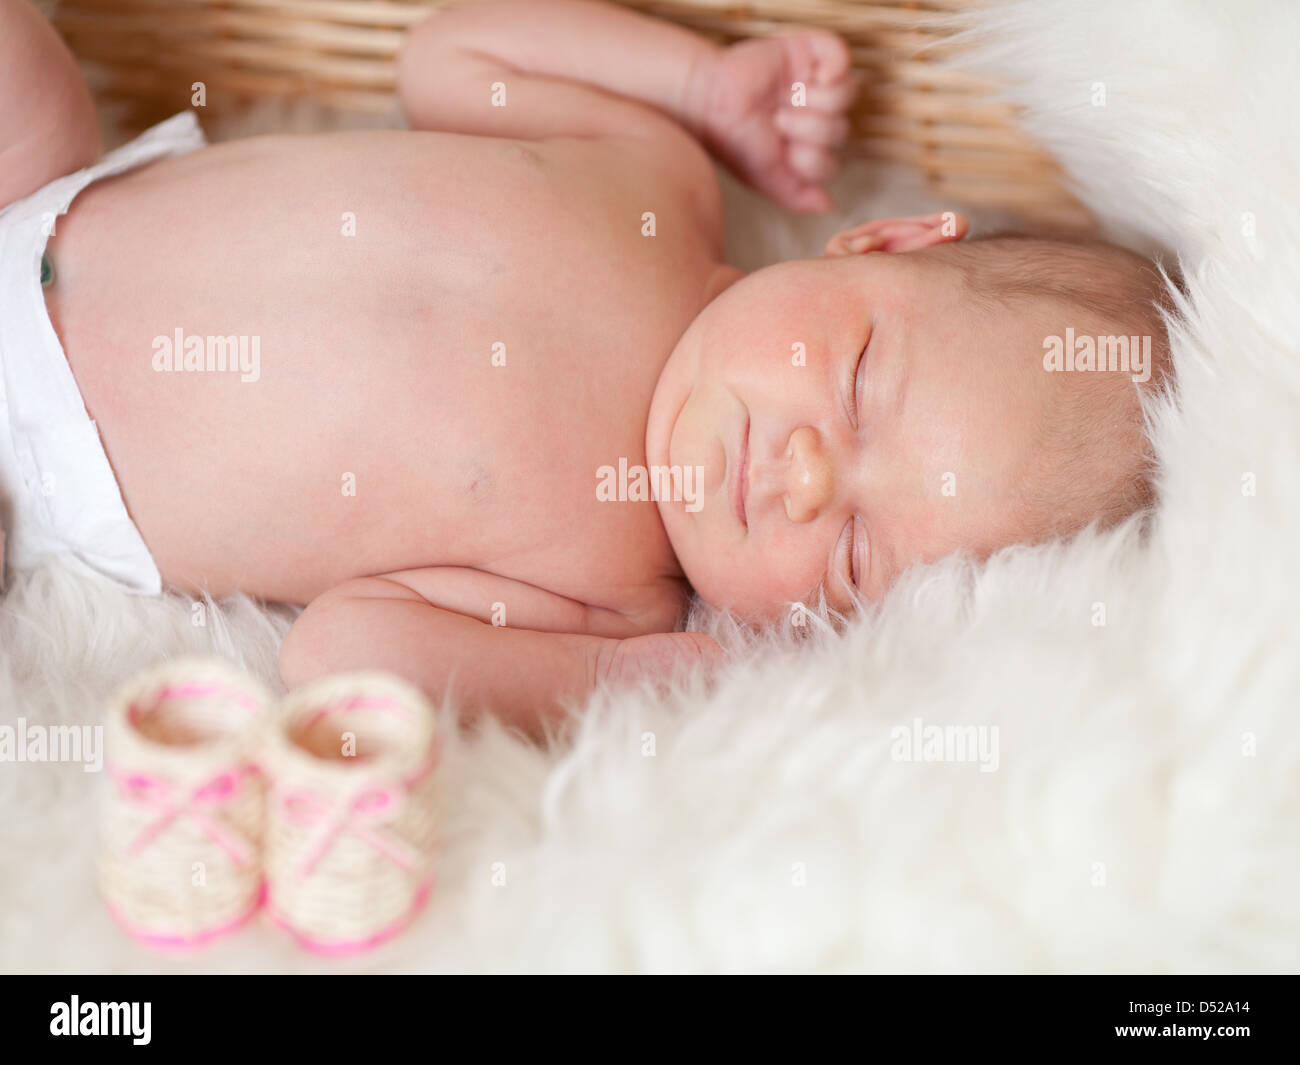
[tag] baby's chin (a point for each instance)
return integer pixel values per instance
(692, 558)
(719, 570)
(719, 591)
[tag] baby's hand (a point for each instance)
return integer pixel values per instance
(779, 138)
(657, 657)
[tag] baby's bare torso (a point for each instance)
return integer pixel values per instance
(383, 433)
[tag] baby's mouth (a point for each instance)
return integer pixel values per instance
(740, 476)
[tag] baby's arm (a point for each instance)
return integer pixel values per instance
(575, 68)
(47, 118)
(434, 627)
(568, 67)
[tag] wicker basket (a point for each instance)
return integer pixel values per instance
(351, 819)
(914, 109)
(180, 848)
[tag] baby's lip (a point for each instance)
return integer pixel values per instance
(740, 476)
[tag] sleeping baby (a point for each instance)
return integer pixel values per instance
(486, 398)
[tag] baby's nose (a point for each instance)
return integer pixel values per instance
(809, 478)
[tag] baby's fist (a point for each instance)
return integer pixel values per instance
(775, 113)
(659, 657)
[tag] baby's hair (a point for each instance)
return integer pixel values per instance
(1103, 280)
(1097, 461)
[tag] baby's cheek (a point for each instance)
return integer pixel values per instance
(759, 584)
(780, 579)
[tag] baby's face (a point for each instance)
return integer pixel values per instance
(851, 415)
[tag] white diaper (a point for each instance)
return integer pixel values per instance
(58, 495)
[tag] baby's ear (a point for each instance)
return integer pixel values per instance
(900, 234)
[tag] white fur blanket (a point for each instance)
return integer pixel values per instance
(1142, 808)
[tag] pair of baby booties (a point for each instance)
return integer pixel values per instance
(222, 801)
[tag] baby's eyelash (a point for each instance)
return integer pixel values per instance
(847, 535)
(854, 402)
(851, 395)
(862, 557)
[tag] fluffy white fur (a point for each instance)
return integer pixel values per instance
(1124, 829)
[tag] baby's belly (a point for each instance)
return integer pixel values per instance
(298, 389)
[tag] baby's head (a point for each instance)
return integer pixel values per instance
(904, 397)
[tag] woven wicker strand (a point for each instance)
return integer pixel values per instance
(351, 818)
(182, 821)
(916, 107)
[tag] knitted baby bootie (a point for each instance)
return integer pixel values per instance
(351, 816)
(180, 850)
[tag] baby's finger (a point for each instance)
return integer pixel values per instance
(791, 191)
(827, 55)
(811, 199)
(812, 127)
(815, 58)
(832, 98)
(780, 183)
(659, 656)
(814, 164)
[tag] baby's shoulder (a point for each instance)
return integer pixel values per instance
(661, 178)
